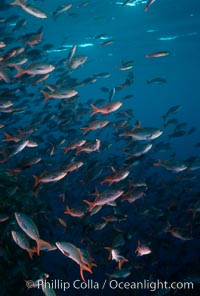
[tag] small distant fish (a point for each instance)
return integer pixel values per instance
(178, 233)
(171, 111)
(71, 54)
(77, 213)
(83, 4)
(50, 177)
(106, 109)
(156, 80)
(118, 274)
(59, 94)
(107, 42)
(125, 2)
(150, 2)
(114, 255)
(143, 133)
(106, 197)
(20, 24)
(134, 194)
(74, 145)
(178, 133)
(2, 44)
(116, 177)
(111, 94)
(4, 217)
(77, 61)
(89, 147)
(18, 149)
(139, 150)
(61, 9)
(94, 125)
(29, 9)
(142, 249)
(158, 54)
(172, 165)
(125, 66)
(103, 75)
(34, 69)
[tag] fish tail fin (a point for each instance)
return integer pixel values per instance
(37, 180)
(137, 249)
(90, 204)
(95, 110)
(20, 71)
(31, 252)
(78, 150)
(102, 182)
(158, 163)
(8, 137)
(5, 157)
(65, 149)
(46, 95)
(120, 262)
(123, 135)
(41, 243)
(82, 268)
(109, 249)
(67, 211)
(14, 172)
(85, 129)
(110, 182)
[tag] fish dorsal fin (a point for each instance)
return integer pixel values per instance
(138, 125)
(113, 169)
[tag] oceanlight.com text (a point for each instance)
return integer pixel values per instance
(113, 284)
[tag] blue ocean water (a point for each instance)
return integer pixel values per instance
(159, 92)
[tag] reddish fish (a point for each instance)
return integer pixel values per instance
(74, 212)
(142, 250)
(51, 177)
(158, 54)
(74, 145)
(149, 5)
(106, 109)
(114, 255)
(89, 147)
(75, 254)
(107, 197)
(59, 94)
(94, 125)
(116, 177)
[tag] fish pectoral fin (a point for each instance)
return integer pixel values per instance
(112, 204)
